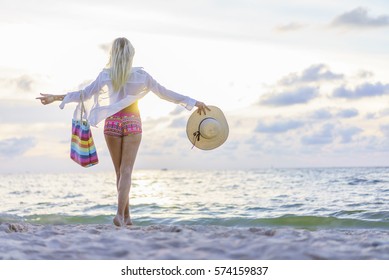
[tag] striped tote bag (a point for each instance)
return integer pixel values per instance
(82, 150)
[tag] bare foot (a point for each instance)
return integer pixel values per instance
(118, 221)
(127, 221)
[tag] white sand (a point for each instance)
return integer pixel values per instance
(26, 241)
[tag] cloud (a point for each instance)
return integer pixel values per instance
(300, 88)
(168, 143)
(106, 47)
(33, 112)
(347, 134)
(314, 73)
(359, 18)
(290, 97)
(363, 90)
(322, 137)
(293, 26)
(385, 131)
(13, 147)
(363, 74)
(23, 83)
(328, 113)
(376, 115)
(231, 145)
(328, 133)
(321, 114)
(278, 126)
(180, 122)
(348, 113)
(177, 110)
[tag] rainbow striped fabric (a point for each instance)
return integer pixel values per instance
(83, 150)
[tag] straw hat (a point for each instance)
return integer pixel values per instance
(208, 131)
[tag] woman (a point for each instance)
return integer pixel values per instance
(124, 86)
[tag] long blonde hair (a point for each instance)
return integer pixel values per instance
(120, 62)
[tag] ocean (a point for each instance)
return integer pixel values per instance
(348, 205)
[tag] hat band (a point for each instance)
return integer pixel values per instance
(197, 134)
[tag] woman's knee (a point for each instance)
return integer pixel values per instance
(125, 172)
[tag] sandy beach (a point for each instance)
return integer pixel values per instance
(28, 241)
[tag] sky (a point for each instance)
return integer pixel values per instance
(302, 83)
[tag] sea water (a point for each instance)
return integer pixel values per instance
(317, 198)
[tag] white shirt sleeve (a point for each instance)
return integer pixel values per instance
(89, 91)
(169, 95)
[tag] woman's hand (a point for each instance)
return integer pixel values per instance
(201, 107)
(49, 98)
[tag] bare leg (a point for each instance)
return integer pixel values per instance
(115, 149)
(130, 148)
(123, 153)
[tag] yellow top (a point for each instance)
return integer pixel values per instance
(133, 108)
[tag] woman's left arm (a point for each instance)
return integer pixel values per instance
(201, 107)
(174, 97)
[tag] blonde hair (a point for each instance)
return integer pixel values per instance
(120, 62)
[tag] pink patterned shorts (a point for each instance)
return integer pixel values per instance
(123, 124)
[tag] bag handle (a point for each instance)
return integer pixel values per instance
(82, 111)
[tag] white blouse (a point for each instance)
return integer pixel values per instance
(108, 102)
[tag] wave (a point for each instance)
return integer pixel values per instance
(303, 222)
(57, 219)
(362, 181)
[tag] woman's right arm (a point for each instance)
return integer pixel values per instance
(92, 89)
(88, 92)
(50, 98)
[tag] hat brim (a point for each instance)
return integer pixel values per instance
(193, 124)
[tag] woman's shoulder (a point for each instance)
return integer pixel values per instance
(134, 70)
(138, 74)
(104, 74)
(138, 70)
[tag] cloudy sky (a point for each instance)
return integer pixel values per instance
(303, 83)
